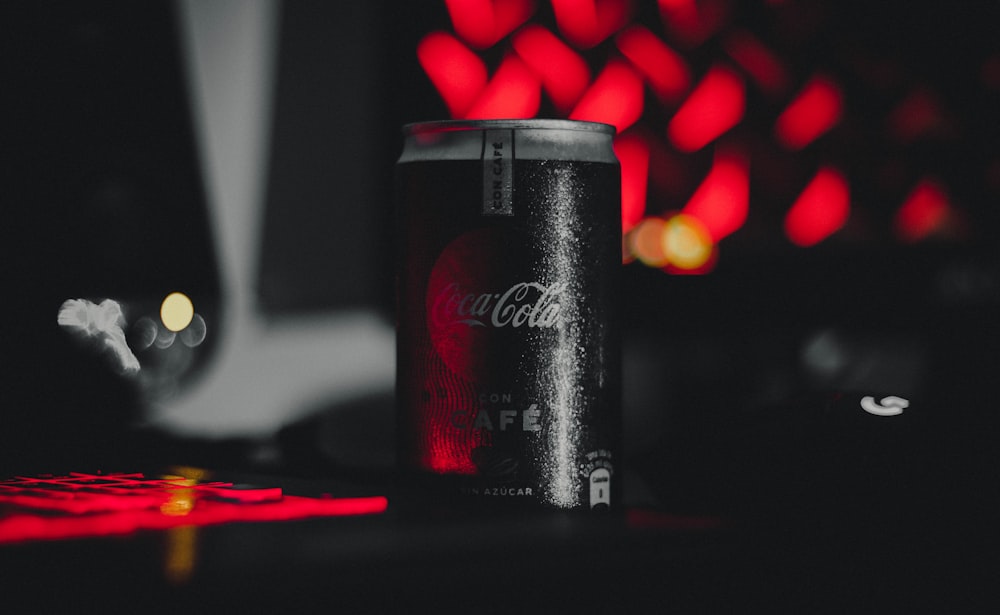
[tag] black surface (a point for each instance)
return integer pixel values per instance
(439, 561)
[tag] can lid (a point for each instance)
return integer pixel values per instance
(531, 139)
(436, 126)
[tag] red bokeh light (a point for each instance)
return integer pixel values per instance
(820, 210)
(615, 97)
(810, 114)
(482, 23)
(690, 21)
(513, 92)
(564, 74)
(763, 66)
(662, 67)
(550, 61)
(722, 201)
(925, 211)
(716, 105)
(918, 115)
(456, 72)
(632, 151)
(989, 72)
(586, 23)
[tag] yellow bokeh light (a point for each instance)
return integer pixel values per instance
(176, 311)
(686, 242)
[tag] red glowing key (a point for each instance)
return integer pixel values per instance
(716, 105)
(633, 154)
(680, 16)
(813, 112)
(86, 505)
(563, 72)
(722, 201)
(456, 72)
(513, 92)
(821, 209)
(925, 210)
(615, 97)
(693, 22)
(482, 23)
(763, 66)
(662, 67)
(586, 23)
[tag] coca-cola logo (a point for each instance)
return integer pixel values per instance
(483, 303)
(524, 304)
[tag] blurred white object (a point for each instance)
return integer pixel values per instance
(264, 374)
(101, 322)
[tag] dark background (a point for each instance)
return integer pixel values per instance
(774, 490)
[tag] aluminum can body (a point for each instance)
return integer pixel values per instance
(508, 375)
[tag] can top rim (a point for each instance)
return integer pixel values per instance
(416, 128)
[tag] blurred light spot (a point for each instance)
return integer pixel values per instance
(564, 74)
(615, 97)
(180, 553)
(628, 256)
(633, 154)
(513, 92)
(673, 7)
(810, 114)
(992, 176)
(662, 67)
(924, 212)
(482, 23)
(918, 115)
(989, 73)
(716, 105)
(824, 355)
(456, 72)
(646, 242)
(763, 66)
(195, 333)
(586, 23)
(176, 311)
(145, 332)
(165, 338)
(722, 201)
(690, 21)
(181, 500)
(821, 209)
(687, 244)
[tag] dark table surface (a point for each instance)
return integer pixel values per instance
(642, 558)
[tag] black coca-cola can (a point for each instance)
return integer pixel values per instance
(508, 379)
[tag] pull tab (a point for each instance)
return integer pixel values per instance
(498, 172)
